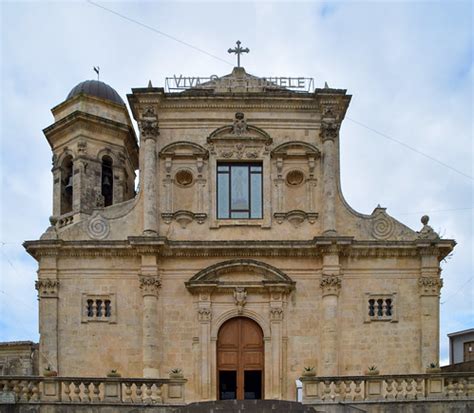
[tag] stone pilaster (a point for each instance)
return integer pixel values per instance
(48, 291)
(329, 133)
(429, 285)
(276, 328)
(205, 317)
(330, 286)
(149, 134)
(149, 286)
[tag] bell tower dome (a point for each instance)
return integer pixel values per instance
(95, 151)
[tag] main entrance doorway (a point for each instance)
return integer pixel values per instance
(240, 360)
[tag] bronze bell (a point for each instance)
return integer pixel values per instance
(106, 181)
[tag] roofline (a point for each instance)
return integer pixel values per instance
(460, 333)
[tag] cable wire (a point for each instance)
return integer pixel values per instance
(159, 32)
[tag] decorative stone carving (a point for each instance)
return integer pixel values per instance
(204, 314)
(330, 284)
(99, 199)
(296, 217)
(382, 224)
(430, 285)
(47, 287)
(82, 147)
(183, 218)
(240, 298)
(150, 285)
(329, 131)
(184, 178)
(149, 129)
(427, 232)
(98, 227)
(276, 314)
(240, 125)
(294, 178)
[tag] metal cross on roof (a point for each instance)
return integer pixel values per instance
(238, 51)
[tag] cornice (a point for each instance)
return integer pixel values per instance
(137, 246)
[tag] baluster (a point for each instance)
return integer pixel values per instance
(461, 387)
(419, 388)
(23, 386)
(348, 395)
(138, 393)
(16, 387)
(95, 391)
(390, 389)
(470, 387)
(102, 310)
(399, 389)
(409, 389)
(76, 388)
(67, 391)
(34, 392)
(337, 390)
(147, 397)
(450, 388)
(357, 390)
(128, 392)
(326, 390)
(86, 397)
(159, 392)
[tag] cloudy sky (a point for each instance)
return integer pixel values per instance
(407, 64)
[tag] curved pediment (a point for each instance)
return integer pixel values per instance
(184, 149)
(240, 131)
(242, 272)
(295, 148)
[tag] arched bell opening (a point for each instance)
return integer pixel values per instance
(240, 360)
(66, 185)
(107, 184)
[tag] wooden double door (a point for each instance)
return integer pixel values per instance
(240, 360)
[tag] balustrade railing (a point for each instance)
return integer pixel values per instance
(93, 390)
(443, 386)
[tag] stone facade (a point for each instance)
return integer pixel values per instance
(18, 358)
(144, 284)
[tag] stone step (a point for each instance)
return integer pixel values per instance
(246, 406)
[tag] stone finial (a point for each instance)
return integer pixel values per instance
(149, 84)
(427, 232)
(326, 86)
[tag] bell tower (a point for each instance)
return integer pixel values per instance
(95, 151)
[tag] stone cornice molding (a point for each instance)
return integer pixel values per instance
(150, 285)
(47, 287)
(330, 284)
(136, 246)
(430, 286)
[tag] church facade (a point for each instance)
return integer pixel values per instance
(237, 263)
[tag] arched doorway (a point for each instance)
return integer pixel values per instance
(240, 360)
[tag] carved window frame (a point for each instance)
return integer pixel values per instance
(85, 318)
(393, 318)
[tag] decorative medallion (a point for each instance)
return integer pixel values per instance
(294, 178)
(382, 227)
(184, 178)
(98, 227)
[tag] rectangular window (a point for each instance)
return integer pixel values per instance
(380, 307)
(98, 308)
(239, 191)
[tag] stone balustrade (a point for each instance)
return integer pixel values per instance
(93, 390)
(385, 388)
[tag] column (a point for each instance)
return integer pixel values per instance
(149, 134)
(329, 133)
(48, 286)
(331, 286)
(205, 317)
(276, 319)
(149, 286)
(430, 285)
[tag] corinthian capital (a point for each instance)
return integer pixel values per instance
(149, 128)
(430, 285)
(150, 285)
(330, 284)
(329, 131)
(47, 287)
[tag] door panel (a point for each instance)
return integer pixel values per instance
(240, 351)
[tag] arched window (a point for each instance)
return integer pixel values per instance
(107, 181)
(66, 185)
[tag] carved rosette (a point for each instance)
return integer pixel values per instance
(329, 131)
(430, 285)
(150, 285)
(276, 314)
(47, 288)
(204, 314)
(330, 284)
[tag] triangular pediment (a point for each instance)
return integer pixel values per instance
(243, 272)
